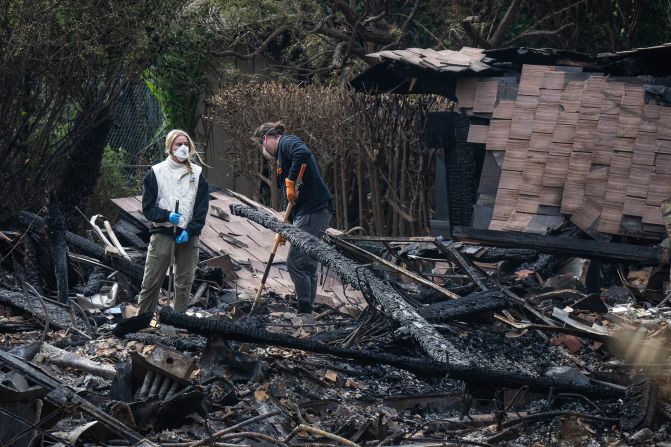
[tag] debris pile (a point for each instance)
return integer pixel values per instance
(421, 341)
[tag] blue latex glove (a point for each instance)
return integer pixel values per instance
(183, 237)
(174, 218)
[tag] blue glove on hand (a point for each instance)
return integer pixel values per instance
(183, 237)
(174, 218)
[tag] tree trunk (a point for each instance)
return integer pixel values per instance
(56, 228)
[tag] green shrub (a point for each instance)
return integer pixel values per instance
(117, 179)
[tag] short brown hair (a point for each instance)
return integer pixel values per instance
(264, 129)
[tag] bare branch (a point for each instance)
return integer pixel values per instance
(256, 52)
(544, 33)
(373, 19)
(349, 13)
(467, 23)
(507, 19)
(409, 19)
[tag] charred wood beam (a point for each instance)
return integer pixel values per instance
(94, 282)
(129, 236)
(389, 300)
(58, 316)
(374, 258)
(134, 271)
(476, 373)
(497, 254)
(57, 231)
(64, 398)
(345, 237)
(608, 251)
(472, 307)
(453, 253)
(31, 264)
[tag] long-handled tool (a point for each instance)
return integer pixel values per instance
(171, 271)
(276, 244)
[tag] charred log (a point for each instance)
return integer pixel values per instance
(496, 254)
(58, 317)
(390, 302)
(135, 272)
(480, 375)
(94, 282)
(473, 307)
(126, 234)
(57, 231)
(31, 264)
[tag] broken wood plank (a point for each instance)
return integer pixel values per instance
(562, 246)
(399, 269)
(67, 359)
(470, 271)
(385, 238)
(564, 317)
(114, 239)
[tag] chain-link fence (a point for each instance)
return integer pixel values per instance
(138, 130)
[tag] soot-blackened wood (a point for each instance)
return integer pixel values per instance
(59, 246)
(481, 374)
(66, 399)
(94, 282)
(135, 272)
(189, 344)
(473, 307)
(58, 317)
(581, 248)
(498, 254)
(390, 302)
(126, 232)
(31, 264)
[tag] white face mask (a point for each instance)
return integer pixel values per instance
(267, 154)
(182, 153)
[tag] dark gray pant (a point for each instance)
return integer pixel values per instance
(302, 268)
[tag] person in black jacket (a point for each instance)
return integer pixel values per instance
(313, 206)
(177, 178)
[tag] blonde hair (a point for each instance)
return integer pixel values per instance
(271, 129)
(172, 136)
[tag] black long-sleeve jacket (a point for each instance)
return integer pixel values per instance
(313, 194)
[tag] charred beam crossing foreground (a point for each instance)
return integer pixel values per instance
(481, 374)
(580, 248)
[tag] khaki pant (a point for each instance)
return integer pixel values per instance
(156, 266)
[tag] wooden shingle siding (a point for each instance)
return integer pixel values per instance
(582, 143)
